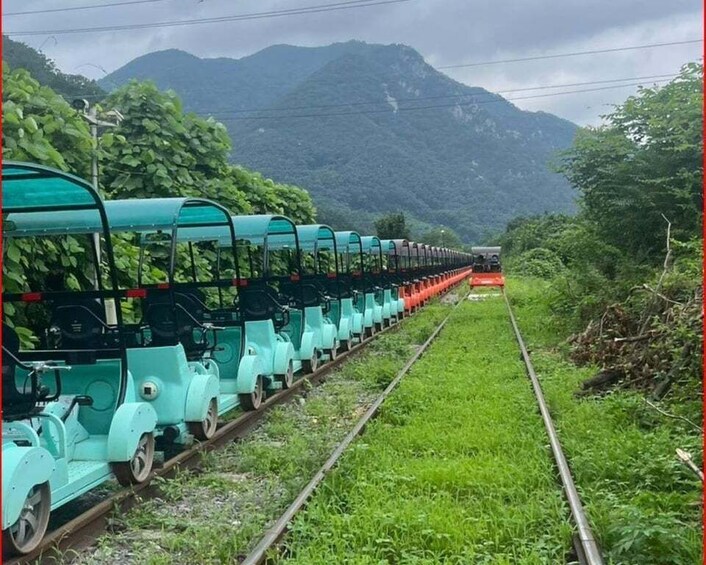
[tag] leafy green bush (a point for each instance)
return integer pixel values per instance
(538, 262)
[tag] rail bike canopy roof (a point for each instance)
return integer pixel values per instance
(371, 244)
(485, 250)
(27, 187)
(316, 237)
(395, 246)
(276, 232)
(143, 216)
(347, 239)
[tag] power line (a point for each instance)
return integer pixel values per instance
(573, 54)
(414, 108)
(346, 5)
(436, 97)
(75, 8)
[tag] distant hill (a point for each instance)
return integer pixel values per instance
(18, 55)
(347, 122)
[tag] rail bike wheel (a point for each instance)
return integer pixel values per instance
(206, 428)
(253, 400)
(288, 378)
(138, 468)
(310, 365)
(25, 534)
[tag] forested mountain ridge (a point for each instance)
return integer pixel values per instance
(373, 128)
(19, 55)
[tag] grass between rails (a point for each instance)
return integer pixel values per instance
(644, 505)
(454, 470)
(216, 515)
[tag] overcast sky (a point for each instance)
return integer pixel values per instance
(445, 32)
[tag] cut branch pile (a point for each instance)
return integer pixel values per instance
(649, 351)
(650, 341)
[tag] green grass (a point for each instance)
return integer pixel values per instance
(216, 515)
(454, 470)
(644, 505)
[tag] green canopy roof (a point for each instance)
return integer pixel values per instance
(316, 237)
(394, 246)
(259, 226)
(346, 239)
(279, 230)
(135, 215)
(371, 244)
(29, 187)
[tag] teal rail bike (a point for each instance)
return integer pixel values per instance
(374, 283)
(397, 253)
(168, 344)
(319, 341)
(350, 283)
(254, 354)
(72, 416)
(320, 265)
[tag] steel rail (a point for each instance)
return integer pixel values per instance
(82, 531)
(587, 549)
(276, 532)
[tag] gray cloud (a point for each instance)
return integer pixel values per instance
(444, 31)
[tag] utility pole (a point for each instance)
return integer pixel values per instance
(90, 114)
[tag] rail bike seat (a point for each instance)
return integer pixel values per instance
(175, 322)
(312, 295)
(81, 325)
(261, 303)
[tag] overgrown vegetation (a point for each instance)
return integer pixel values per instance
(392, 226)
(625, 273)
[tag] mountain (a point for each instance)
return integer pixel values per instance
(373, 128)
(18, 55)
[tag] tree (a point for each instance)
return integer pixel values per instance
(41, 127)
(38, 125)
(645, 163)
(442, 236)
(392, 226)
(159, 151)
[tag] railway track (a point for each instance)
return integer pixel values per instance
(584, 542)
(82, 531)
(277, 531)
